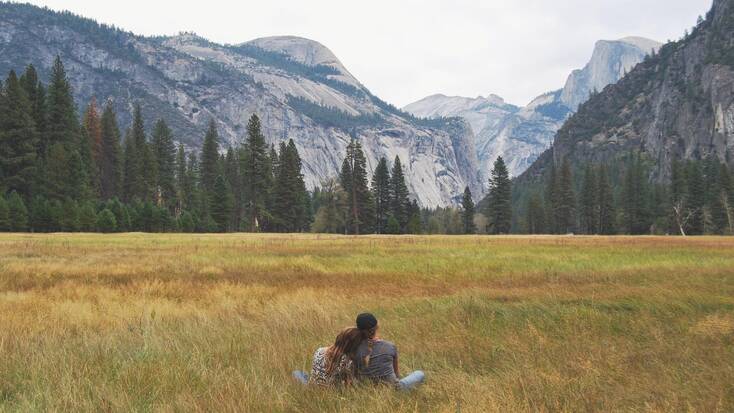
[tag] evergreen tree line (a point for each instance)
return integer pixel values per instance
(58, 173)
(698, 200)
(355, 204)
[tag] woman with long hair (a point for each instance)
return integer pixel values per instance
(333, 365)
(377, 360)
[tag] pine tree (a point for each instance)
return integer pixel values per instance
(192, 194)
(40, 218)
(18, 139)
(552, 200)
(415, 224)
(17, 213)
(727, 197)
(400, 203)
(4, 215)
(566, 207)
(62, 123)
(467, 212)
(499, 210)
(110, 169)
(36, 94)
(93, 131)
(234, 178)
(106, 222)
(381, 194)
(130, 170)
(210, 159)
(536, 216)
(165, 154)
(589, 204)
(87, 217)
(695, 201)
(181, 176)
(605, 199)
(222, 203)
(290, 196)
(678, 198)
(353, 179)
(257, 175)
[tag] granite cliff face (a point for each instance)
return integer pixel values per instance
(677, 104)
(520, 135)
(297, 86)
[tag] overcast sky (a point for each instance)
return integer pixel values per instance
(404, 50)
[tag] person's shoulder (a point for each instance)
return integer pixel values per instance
(320, 350)
(388, 344)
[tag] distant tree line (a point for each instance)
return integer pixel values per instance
(621, 199)
(60, 174)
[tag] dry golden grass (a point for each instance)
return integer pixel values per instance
(217, 323)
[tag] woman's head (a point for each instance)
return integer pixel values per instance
(346, 343)
(367, 325)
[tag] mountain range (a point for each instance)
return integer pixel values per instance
(299, 89)
(521, 134)
(678, 104)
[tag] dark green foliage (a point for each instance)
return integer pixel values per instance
(695, 199)
(467, 212)
(566, 201)
(69, 219)
(40, 217)
(399, 201)
(381, 195)
(499, 208)
(106, 222)
(186, 223)
(165, 154)
(130, 169)
(291, 200)
(4, 215)
(62, 123)
(536, 216)
(209, 167)
(353, 179)
(589, 202)
(87, 217)
(393, 226)
(17, 213)
(257, 175)
(605, 201)
(110, 174)
(18, 139)
(221, 204)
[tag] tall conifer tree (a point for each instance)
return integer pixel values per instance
(499, 209)
(381, 195)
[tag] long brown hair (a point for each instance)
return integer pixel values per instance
(346, 343)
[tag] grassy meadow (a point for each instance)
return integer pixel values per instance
(217, 322)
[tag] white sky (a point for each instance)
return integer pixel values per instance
(404, 50)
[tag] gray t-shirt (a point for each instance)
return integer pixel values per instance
(381, 367)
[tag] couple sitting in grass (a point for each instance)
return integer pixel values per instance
(358, 353)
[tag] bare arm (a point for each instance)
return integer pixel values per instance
(395, 366)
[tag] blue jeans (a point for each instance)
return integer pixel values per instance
(300, 377)
(412, 380)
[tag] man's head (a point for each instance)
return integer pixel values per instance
(367, 324)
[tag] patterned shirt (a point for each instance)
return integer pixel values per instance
(342, 372)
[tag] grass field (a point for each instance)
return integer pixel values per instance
(217, 323)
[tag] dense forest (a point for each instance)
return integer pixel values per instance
(63, 172)
(620, 198)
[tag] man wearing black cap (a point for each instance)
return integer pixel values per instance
(377, 360)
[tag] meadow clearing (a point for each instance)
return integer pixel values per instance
(139, 322)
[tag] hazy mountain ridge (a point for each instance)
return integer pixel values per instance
(520, 135)
(187, 80)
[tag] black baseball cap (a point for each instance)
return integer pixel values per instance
(366, 321)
